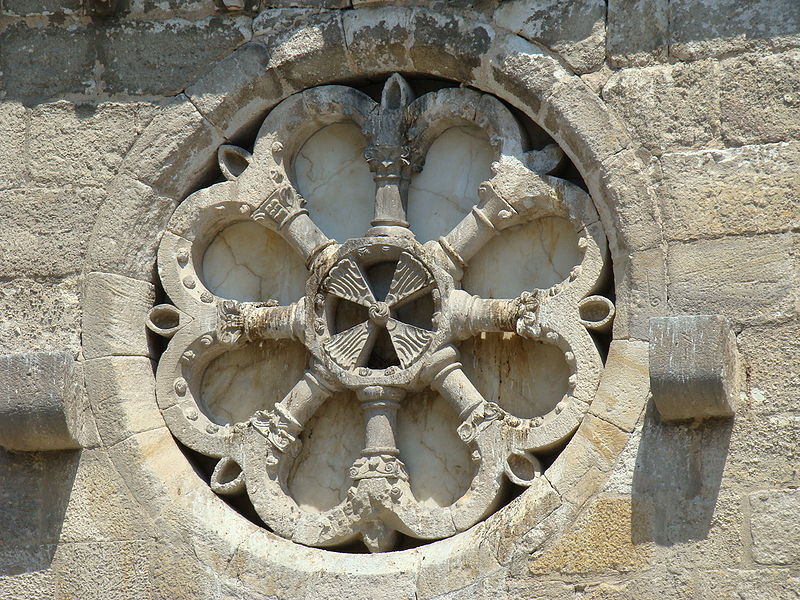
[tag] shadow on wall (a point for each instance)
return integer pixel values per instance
(676, 478)
(34, 493)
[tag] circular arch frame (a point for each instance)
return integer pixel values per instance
(175, 155)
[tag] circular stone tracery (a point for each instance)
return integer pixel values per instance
(380, 502)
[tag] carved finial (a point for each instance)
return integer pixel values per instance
(397, 94)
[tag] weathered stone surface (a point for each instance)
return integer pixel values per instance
(700, 29)
(29, 8)
(772, 383)
(775, 527)
(575, 29)
(763, 451)
(13, 123)
(748, 584)
(710, 193)
(668, 107)
(606, 524)
(694, 367)
(759, 103)
(40, 314)
(39, 401)
(119, 569)
(186, 49)
(101, 508)
(721, 276)
(637, 31)
(31, 78)
(70, 143)
(45, 229)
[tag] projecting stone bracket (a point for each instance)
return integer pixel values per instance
(40, 401)
(694, 367)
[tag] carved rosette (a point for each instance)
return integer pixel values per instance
(342, 317)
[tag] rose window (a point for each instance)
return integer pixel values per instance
(383, 317)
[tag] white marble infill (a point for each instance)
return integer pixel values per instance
(248, 262)
(331, 442)
(525, 377)
(239, 382)
(447, 188)
(437, 461)
(331, 173)
(535, 255)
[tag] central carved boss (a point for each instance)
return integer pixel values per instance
(382, 315)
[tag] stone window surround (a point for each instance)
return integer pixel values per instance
(163, 167)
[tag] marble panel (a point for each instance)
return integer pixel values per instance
(525, 377)
(437, 461)
(331, 173)
(332, 440)
(238, 383)
(248, 262)
(447, 187)
(535, 255)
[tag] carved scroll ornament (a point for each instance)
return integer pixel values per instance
(399, 131)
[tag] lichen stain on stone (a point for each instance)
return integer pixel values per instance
(600, 541)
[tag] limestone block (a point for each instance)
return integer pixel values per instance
(638, 32)
(694, 367)
(33, 78)
(122, 396)
(176, 150)
(759, 100)
(100, 507)
(600, 540)
(40, 314)
(39, 401)
(45, 229)
(238, 90)
(30, 585)
(708, 193)
(119, 569)
(747, 584)
(623, 390)
(315, 54)
(764, 451)
(171, 8)
(775, 527)
(128, 229)
(13, 122)
(700, 29)
(668, 107)
(575, 29)
(641, 285)
(624, 197)
(186, 49)
(70, 143)
(773, 383)
(114, 314)
(748, 279)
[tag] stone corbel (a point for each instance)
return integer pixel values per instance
(695, 370)
(41, 402)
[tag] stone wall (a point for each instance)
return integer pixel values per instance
(709, 92)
